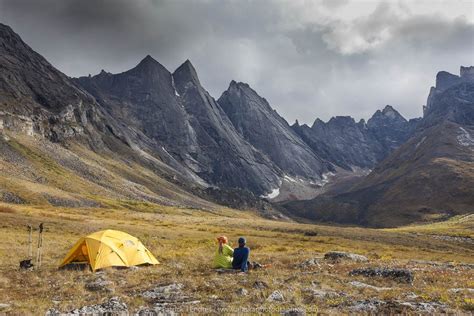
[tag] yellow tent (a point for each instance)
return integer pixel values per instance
(109, 248)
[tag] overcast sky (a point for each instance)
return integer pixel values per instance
(309, 59)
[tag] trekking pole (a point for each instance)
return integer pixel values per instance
(40, 246)
(30, 250)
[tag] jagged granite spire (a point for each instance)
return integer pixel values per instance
(260, 125)
(186, 73)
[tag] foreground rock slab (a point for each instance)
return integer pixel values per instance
(399, 275)
(398, 307)
(114, 306)
(276, 296)
(338, 256)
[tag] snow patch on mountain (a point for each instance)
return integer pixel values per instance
(174, 87)
(464, 138)
(287, 177)
(272, 195)
(420, 142)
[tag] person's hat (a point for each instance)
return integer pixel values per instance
(222, 239)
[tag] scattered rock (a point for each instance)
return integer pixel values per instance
(425, 307)
(221, 271)
(320, 293)
(454, 238)
(311, 233)
(294, 312)
(163, 292)
(157, 311)
(461, 290)
(242, 292)
(256, 265)
(399, 275)
(411, 296)
(113, 306)
(276, 296)
(4, 306)
(368, 286)
(99, 284)
(338, 256)
(372, 305)
(170, 294)
(313, 262)
(260, 285)
(397, 307)
(53, 312)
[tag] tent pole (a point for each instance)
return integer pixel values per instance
(39, 253)
(30, 250)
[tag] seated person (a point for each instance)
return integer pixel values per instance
(223, 256)
(241, 256)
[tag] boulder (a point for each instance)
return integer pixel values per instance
(276, 296)
(4, 306)
(113, 306)
(320, 293)
(260, 285)
(368, 286)
(167, 294)
(313, 262)
(338, 256)
(294, 312)
(399, 275)
(242, 292)
(100, 284)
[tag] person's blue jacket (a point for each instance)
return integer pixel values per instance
(241, 258)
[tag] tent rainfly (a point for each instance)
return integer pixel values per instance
(109, 248)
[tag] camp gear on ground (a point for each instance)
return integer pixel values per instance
(26, 264)
(241, 257)
(223, 259)
(109, 248)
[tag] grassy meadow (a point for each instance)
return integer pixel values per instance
(183, 240)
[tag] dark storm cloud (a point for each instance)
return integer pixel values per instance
(308, 58)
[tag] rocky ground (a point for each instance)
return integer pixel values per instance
(316, 284)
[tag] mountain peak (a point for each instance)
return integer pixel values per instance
(467, 73)
(149, 66)
(445, 80)
(186, 72)
(317, 122)
(388, 114)
(389, 111)
(148, 60)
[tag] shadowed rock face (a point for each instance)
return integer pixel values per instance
(348, 144)
(175, 111)
(36, 98)
(226, 158)
(260, 125)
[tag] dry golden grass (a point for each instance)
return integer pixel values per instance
(183, 241)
